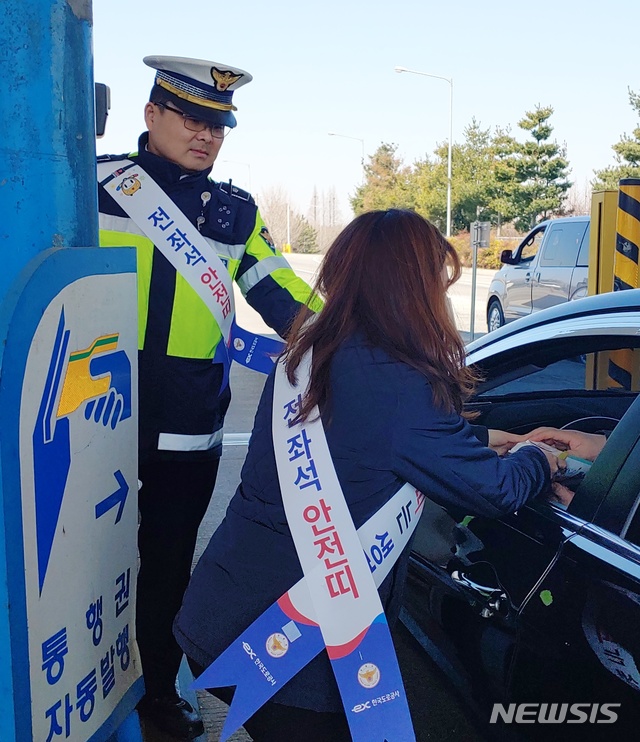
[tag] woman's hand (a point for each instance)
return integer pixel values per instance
(584, 445)
(554, 462)
(502, 442)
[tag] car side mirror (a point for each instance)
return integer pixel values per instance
(506, 256)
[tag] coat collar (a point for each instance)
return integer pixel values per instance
(164, 171)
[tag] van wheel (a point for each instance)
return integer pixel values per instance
(495, 316)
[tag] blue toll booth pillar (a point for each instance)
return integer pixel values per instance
(48, 190)
(68, 400)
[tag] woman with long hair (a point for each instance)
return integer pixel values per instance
(388, 378)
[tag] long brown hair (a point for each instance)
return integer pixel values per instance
(384, 276)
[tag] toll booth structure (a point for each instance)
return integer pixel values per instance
(68, 401)
(613, 266)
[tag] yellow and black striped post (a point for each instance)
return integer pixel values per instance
(624, 365)
(625, 267)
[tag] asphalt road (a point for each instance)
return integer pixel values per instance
(435, 710)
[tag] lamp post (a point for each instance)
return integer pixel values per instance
(345, 136)
(450, 81)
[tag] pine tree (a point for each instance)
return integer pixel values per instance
(306, 240)
(540, 168)
(627, 155)
(386, 183)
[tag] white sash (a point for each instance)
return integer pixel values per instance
(338, 577)
(314, 502)
(137, 193)
(342, 589)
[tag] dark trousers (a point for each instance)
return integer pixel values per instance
(275, 722)
(172, 502)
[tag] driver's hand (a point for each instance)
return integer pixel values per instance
(584, 445)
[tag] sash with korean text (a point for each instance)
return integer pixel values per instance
(144, 201)
(336, 604)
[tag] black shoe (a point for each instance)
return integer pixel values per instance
(173, 715)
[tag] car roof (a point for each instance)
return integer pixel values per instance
(564, 219)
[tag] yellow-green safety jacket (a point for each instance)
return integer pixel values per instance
(183, 396)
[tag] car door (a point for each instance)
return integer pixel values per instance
(553, 274)
(578, 637)
(477, 585)
(580, 278)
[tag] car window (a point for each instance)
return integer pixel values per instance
(566, 373)
(529, 251)
(583, 255)
(560, 366)
(562, 244)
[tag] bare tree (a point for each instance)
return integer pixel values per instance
(275, 209)
(325, 217)
(284, 223)
(578, 200)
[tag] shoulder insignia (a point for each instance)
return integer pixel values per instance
(234, 191)
(115, 158)
(264, 233)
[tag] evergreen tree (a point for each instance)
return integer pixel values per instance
(540, 168)
(386, 183)
(502, 190)
(428, 186)
(473, 178)
(473, 181)
(627, 155)
(306, 240)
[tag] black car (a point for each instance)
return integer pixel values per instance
(535, 617)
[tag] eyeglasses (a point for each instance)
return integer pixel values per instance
(218, 131)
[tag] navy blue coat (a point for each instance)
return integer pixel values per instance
(383, 430)
(182, 392)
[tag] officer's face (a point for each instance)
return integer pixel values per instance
(169, 138)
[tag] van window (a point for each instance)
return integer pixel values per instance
(530, 250)
(583, 255)
(562, 244)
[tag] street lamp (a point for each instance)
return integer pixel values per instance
(345, 136)
(450, 81)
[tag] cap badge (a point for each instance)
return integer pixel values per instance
(224, 78)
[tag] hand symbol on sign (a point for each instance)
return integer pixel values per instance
(115, 405)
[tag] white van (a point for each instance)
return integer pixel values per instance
(548, 267)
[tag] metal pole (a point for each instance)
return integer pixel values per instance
(48, 192)
(288, 226)
(450, 81)
(475, 237)
(449, 158)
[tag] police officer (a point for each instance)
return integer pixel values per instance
(183, 367)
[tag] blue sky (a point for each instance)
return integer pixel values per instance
(329, 67)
